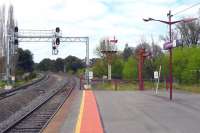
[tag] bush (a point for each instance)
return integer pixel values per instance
(130, 69)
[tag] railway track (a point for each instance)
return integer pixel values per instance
(12, 92)
(35, 120)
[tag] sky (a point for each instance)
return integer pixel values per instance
(96, 19)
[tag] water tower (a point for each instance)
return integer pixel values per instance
(108, 48)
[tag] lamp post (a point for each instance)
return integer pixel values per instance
(170, 23)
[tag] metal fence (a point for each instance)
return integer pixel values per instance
(121, 85)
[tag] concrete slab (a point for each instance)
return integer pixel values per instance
(143, 112)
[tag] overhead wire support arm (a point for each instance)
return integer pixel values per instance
(36, 35)
(55, 37)
(74, 39)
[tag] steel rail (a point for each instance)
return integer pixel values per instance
(7, 129)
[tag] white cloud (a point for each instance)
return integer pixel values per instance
(93, 18)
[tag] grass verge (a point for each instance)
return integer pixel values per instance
(187, 88)
(18, 83)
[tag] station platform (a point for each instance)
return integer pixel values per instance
(127, 111)
(79, 114)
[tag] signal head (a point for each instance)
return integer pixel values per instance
(16, 29)
(57, 41)
(16, 42)
(53, 47)
(57, 29)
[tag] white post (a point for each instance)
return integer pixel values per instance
(87, 61)
(158, 80)
(109, 71)
(7, 57)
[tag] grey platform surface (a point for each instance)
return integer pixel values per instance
(70, 122)
(144, 112)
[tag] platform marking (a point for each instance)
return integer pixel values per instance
(91, 122)
(80, 116)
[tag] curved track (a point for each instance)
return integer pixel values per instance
(8, 93)
(32, 117)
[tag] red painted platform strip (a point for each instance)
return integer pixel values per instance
(91, 122)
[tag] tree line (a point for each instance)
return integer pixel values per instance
(186, 65)
(186, 59)
(25, 64)
(70, 64)
(124, 63)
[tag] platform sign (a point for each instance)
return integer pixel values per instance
(104, 77)
(173, 44)
(155, 74)
(168, 45)
(90, 75)
(13, 78)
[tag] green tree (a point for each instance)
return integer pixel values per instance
(130, 69)
(73, 63)
(25, 61)
(100, 68)
(46, 65)
(70, 64)
(128, 51)
(190, 73)
(59, 64)
(163, 60)
(117, 67)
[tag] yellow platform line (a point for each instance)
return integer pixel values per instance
(79, 120)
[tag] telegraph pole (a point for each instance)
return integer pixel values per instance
(170, 23)
(140, 67)
(170, 54)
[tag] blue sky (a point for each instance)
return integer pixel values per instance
(96, 19)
